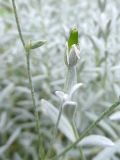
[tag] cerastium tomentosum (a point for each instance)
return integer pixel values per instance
(66, 97)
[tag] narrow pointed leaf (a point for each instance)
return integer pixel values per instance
(10, 141)
(108, 152)
(96, 140)
(115, 116)
(37, 44)
(64, 125)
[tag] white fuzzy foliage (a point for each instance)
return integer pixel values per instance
(115, 116)
(96, 140)
(64, 125)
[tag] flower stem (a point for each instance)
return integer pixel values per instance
(71, 78)
(70, 81)
(18, 24)
(77, 134)
(40, 147)
(27, 51)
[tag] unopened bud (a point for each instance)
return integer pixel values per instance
(72, 55)
(34, 45)
(72, 48)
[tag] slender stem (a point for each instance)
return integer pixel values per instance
(70, 81)
(82, 153)
(40, 147)
(87, 130)
(27, 51)
(18, 24)
(77, 134)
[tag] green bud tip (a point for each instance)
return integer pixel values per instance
(73, 38)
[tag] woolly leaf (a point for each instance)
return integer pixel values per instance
(37, 44)
(96, 140)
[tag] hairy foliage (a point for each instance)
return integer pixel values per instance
(98, 23)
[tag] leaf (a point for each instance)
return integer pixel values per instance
(17, 156)
(108, 152)
(3, 119)
(108, 28)
(96, 140)
(95, 42)
(10, 141)
(37, 44)
(74, 89)
(116, 89)
(115, 116)
(103, 125)
(61, 95)
(6, 92)
(69, 103)
(64, 125)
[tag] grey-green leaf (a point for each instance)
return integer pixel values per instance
(97, 140)
(115, 116)
(64, 125)
(37, 44)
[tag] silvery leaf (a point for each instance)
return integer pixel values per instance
(69, 103)
(64, 125)
(96, 140)
(108, 152)
(61, 95)
(106, 127)
(37, 44)
(75, 88)
(115, 116)
(10, 141)
(3, 119)
(6, 92)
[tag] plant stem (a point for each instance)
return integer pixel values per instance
(70, 81)
(18, 24)
(27, 51)
(40, 147)
(71, 78)
(107, 112)
(77, 134)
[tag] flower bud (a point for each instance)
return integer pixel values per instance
(37, 44)
(72, 55)
(33, 45)
(72, 48)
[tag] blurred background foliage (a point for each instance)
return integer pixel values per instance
(98, 23)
